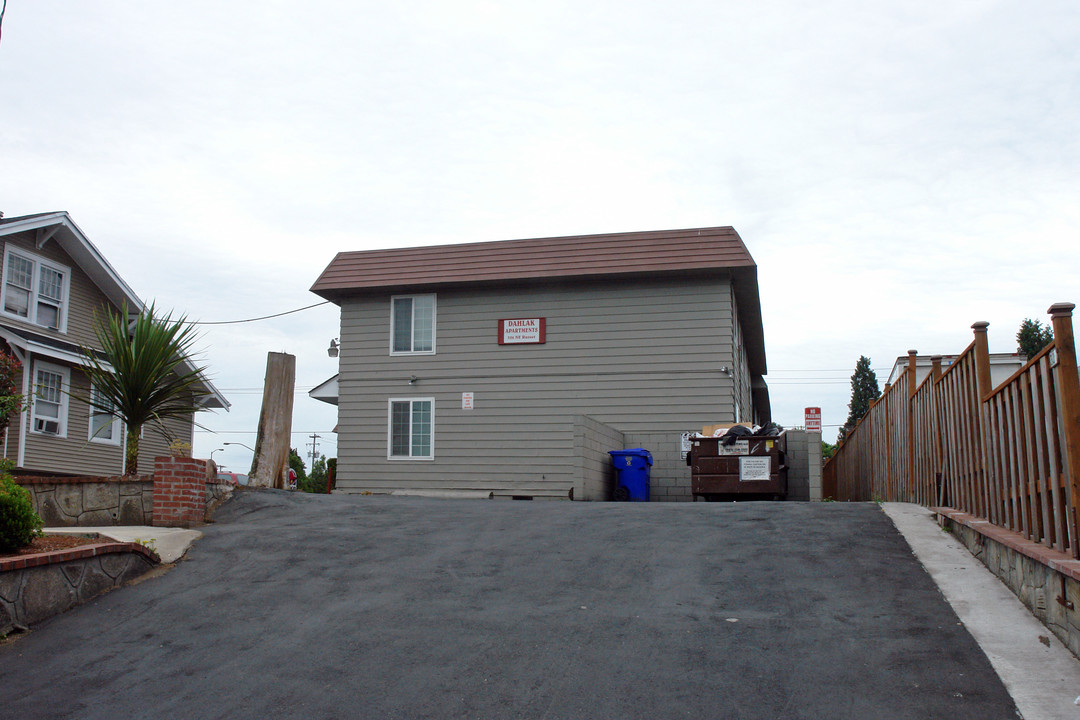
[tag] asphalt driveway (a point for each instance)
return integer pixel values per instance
(296, 605)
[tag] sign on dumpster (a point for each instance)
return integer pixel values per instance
(754, 468)
(813, 419)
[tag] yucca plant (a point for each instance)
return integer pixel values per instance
(138, 373)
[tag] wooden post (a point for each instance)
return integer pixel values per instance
(990, 504)
(271, 461)
(912, 359)
(939, 461)
(982, 359)
(1068, 409)
(886, 491)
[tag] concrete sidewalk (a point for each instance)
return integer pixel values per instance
(169, 543)
(1042, 676)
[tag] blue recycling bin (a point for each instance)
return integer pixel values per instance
(632, 474)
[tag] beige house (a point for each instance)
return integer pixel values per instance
(512, 368)
(52, 283)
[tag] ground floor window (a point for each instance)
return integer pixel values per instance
(411, 428)
(49, 414)
(104, 424)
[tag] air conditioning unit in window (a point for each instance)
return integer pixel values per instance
(51, 427)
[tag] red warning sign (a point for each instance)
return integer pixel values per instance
(813, 419)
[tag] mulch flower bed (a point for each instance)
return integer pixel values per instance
(49, 543)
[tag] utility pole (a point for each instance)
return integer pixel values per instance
(314, 448)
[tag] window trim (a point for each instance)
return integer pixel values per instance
(32, 308)
(62, 414)
(412, 337)
(390, 430)
(117, 426)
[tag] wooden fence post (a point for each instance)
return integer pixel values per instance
(886, 490)
(1069, 407)
(912, 359)
(935, 431)
(983, 387)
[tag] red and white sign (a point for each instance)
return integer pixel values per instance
(813, 419)
(522, 331)
(466, 401)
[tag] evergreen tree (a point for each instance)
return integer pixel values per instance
(864, 391)
(1032, 337)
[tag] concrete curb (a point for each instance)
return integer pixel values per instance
(1042, 676)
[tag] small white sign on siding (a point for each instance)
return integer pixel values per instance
(466, 401)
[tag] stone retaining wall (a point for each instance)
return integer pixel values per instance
(36, 587)
(120, 500)
(91, 501)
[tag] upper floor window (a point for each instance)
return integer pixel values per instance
(35, 289)
(412, 324)
(49, 415)
(104, 424)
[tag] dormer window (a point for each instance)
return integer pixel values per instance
(35, 289)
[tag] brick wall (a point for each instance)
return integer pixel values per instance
(179, 491)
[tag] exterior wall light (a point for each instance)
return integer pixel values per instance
(332, 351)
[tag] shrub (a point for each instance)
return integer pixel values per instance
(19, 524)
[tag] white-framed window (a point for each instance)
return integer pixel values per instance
(412, 325)
(35, 289)
(411, 429)
(50, 401)
(104, 425)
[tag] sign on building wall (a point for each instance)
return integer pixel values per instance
(466, 401)
(522, 331)
(813, 419)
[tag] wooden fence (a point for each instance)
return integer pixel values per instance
(1009, 455)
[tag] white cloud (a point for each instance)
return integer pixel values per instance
(898, 170)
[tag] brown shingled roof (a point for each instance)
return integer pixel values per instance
(694, 250)
(542, 258)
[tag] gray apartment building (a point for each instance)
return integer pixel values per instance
(511, 368)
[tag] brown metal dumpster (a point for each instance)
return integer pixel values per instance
(749, 468)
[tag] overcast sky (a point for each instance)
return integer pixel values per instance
(898, 170)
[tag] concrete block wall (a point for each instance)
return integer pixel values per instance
(669, 479)
(804, 465)
(595, 477)
(814, 464)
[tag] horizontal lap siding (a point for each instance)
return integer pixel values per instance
(641, 357)
(84, 297)
(74, 454)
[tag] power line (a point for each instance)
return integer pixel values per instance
(264, 317)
